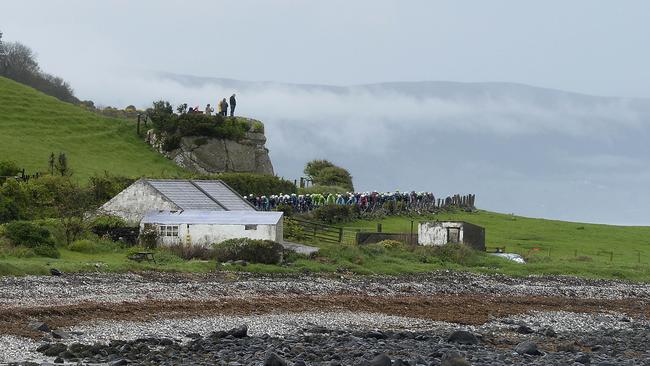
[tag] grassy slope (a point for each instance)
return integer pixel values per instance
(33, 125)
(537, 238)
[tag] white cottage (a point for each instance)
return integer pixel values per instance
(201, 227)
(174, 195)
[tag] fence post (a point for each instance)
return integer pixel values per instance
(340, 234)
(549, 252)
(138, 129)
(411, 236)
(378, 228)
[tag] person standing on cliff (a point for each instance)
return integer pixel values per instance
(209, 110)
(233, 103)
(224, 107)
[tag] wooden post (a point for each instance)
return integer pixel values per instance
(549, 252)
(411, 236)
(378, 228)
(138, 129)
(340, 234)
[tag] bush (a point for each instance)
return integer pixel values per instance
(334, 214)
(191, 251)
(105, 223)
(391, 244)
(171, 142)
(451, 253)
(293, 230)
(254, 251)
(28, 234)
(47, 251)
(149, 237)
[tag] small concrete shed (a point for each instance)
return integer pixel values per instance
(203, 227)
(448, 232)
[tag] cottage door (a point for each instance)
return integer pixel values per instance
(453, 235)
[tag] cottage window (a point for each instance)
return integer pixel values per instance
(250, 227)
(168, 230)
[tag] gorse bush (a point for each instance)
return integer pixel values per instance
(254, 251)
(28, 234)
(335, 214)
(84, 246)
(47, 251)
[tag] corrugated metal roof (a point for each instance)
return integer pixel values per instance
(212, 217)
(224, 194)
(185, 194)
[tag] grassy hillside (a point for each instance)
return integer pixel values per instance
(33, 125)
(552, 247)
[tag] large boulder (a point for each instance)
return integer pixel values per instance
(207, 155)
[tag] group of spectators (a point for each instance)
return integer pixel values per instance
(367, 201)
(222, 107)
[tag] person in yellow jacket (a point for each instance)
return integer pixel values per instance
(219, 108)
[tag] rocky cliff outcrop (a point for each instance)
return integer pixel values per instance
(207, 155)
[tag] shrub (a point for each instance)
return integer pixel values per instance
(454, 253)
(191, 251)
(149, 237)
(47, 251)
(286, 209)
(254, 251)
(334, 214)
(293, 230)
(171, 142)
(391, 244)
(102, 224)
(28, 234)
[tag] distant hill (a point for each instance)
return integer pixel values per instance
(533, 151)
(33, 125)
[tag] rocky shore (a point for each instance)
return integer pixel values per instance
(443, 318)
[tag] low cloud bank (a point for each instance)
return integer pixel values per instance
(517, 149)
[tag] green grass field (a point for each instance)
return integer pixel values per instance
(33, 125)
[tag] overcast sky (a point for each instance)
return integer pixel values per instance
(595, 47)
(521, 150)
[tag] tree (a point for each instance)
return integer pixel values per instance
(71, 203)
(325, 173)
(61, 165)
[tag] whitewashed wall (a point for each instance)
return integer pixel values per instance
(132, 203)
(435, 233)
(206, 235)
